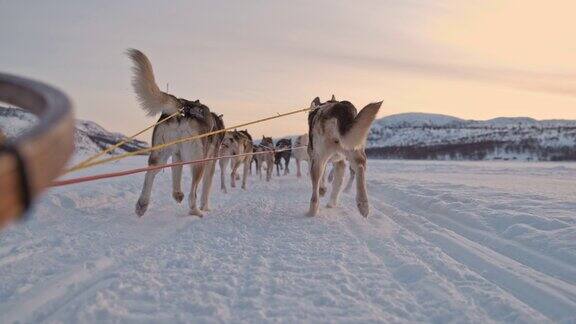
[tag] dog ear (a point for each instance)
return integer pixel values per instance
(315, 103)
(333, 98)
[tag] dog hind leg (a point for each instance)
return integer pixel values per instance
(269, 168)
(223, 166)
(277, 162)
(317, 167)
(323, 187)
(197, 174)
(358, 163)
(259, 168)
(338, 178)
(298, 169)
(286, 163)
(247, 164)
(177, 193)
(233, 174)
(207, 185)
(350, 180)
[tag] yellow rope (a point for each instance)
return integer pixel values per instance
(181, 140)
(65, 182)
(117, 145)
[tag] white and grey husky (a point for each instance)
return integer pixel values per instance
(300, 154)
(234, 143)
(338, 133)
(194, 118)
(266, 145)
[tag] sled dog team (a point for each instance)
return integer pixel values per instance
(336, 134)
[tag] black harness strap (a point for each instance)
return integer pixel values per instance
(25, 193)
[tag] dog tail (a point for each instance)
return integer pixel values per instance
(357, 134)
(151, 99)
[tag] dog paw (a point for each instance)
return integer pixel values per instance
(195, 212)
(363, 207)
(141, 207)
(331, 205)
(322, 191)
(312, 213)
(205, 208)
(178, 196)
(313, 210)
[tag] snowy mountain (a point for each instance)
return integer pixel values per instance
(433, 136)
(418, 119)
(89, 137)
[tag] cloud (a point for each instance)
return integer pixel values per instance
(546, 82)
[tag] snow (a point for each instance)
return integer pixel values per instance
(417, 129)
(418, 119)
(509, 121)
(433, 136)
(445, 242)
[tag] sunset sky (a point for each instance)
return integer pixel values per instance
(249, 59)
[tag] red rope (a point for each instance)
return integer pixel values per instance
(66, 182)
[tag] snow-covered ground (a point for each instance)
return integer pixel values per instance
(445, 242)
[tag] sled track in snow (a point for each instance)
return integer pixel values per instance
(527, 256)
(490, 257)
(49, 297)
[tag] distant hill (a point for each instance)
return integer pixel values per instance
(418, 119)
(433, 136)
(401, 136)
(89, 137)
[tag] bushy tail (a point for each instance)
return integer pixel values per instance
(151, 99)
(356, 136)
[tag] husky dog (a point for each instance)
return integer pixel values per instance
(338, 133)
(235, 142)
(284, 144)
(300, 154)
(266, 145)
(195, 118)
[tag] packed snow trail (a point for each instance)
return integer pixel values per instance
(445, 242)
